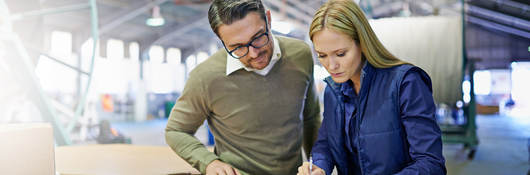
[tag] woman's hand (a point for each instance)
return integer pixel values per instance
(218, 167)
(304, 170)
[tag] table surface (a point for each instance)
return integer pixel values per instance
(120, 159)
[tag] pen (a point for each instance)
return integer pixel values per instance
(310, 164)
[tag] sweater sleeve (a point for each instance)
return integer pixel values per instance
(312, 119)
(187, 115)
(422, 132)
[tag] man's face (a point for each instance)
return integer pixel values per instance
(242, 32)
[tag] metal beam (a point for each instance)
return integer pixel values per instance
(498, 17)
(498, 27)
(304, 17)
(180, 31)
(303, 6)
(490, 53)
(65, 64)
(113, 3)
(70, 8)
(510, 7)
(387, 9)
(315, 3)
(421, 8)
(207, 36)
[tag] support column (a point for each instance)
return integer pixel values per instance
(76, 51)
(140, 102)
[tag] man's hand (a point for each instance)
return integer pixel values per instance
(304, 170)
(217, 167)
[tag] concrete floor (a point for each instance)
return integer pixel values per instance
(502, 149)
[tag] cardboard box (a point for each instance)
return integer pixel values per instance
(26, 149)
(120, 159)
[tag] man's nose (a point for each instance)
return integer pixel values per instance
(253, 52)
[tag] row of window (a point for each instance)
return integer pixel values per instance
(117, 72)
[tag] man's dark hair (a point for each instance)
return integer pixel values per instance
(228, 11)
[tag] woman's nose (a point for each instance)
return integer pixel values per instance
(333, 64)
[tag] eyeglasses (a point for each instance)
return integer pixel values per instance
(258, 42)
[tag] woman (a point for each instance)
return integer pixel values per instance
(378, 110)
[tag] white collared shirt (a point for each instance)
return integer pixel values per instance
(233, 65)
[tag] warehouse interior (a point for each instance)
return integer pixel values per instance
(108, 72)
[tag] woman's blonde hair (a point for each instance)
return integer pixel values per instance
(346, 17)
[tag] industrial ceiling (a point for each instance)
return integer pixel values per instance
(498, 31)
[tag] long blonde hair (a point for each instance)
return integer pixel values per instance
(346, 17)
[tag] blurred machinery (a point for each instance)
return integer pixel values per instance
(109, 135)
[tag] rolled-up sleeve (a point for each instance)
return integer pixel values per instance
(188, 114)
(422, 132)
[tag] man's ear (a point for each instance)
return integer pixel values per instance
(268, 16)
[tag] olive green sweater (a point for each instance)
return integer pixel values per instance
(258, 122)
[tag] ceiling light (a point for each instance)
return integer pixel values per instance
(156, 19)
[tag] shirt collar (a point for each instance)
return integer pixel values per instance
(347, 89)
(233, 65)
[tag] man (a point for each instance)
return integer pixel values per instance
(256, 94)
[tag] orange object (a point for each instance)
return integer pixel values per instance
(114, 132)
(108, 103)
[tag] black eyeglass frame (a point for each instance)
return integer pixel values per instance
(249, 43)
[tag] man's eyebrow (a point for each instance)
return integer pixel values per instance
(253, 36)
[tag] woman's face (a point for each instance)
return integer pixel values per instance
(338, 53)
